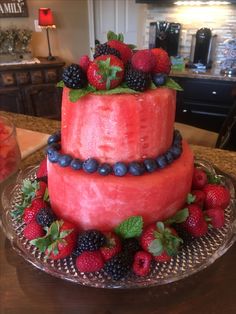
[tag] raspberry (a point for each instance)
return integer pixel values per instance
(142, 263)
(89, 262)
(84, 62)
(163, 64)
(33, 231)
(143, 60)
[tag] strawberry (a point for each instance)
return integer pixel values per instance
(160, 241)
(143, 60)
(89, 261)
(84, 62)
(216, 217)
(216, 196)
(33, 231)
(199, 179)
(124, 50)
(59, 241)
(195, 223)
(163, 64)
(39, 193)
(142, 263)
(42, 170)
(112, 247)
(31, 211)
(200, 197)
(105, 72)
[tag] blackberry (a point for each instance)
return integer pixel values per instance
(137, 80)
(131, 246)
(74, 76)
(45, 217)
(104, 49)
(89, 240)
(119, 266)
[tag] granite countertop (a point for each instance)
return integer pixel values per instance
(222, 159)
(212, 74)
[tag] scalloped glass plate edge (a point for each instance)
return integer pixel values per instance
(191, 259)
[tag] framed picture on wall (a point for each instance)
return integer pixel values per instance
(13, 8)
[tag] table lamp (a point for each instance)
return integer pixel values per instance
(46, 20)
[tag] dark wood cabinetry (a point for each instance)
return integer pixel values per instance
(31, 88)
(204, 103)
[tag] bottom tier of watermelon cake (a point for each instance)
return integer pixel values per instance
(93, 201)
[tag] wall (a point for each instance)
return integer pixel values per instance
(69, 40)
(221, 19)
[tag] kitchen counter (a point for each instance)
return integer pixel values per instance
(25, 288)
(212, 74)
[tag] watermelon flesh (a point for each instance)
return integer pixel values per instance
(122, 127)
(93, 201)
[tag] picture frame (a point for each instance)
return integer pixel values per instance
(13, 8)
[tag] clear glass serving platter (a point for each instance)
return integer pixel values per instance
(192, 257)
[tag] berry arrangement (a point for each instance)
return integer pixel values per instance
(131, 248)
(120, 169)
(117, 68)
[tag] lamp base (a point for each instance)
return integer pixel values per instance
(51, 58)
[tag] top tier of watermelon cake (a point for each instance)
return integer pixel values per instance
(119, 155)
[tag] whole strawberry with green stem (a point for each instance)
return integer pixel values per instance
(161, 241)
(59, 241)
(216, 196)
(105, 72)
(195, 223)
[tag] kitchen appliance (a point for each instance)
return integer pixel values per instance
(165, 35)
(228, 64)
(202, 49)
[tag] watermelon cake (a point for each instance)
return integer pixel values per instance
(114, 192)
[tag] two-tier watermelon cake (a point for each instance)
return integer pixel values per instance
(118, 174)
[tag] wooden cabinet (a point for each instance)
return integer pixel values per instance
(31, 88)
(204, 103)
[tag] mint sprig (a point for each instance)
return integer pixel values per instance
(179, 217)
(130, 228)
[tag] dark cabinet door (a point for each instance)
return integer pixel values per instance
(11, 100)
(43, 101)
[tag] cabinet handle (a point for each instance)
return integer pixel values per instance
(214, 92)
(184, 110)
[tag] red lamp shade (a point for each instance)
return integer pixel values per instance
(45, 17)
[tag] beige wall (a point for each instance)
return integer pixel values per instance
(69, 40)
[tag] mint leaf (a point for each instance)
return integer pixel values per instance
(172, 84)
(111, 35)
(118, 90)
(130, 228)
(76, 94)
(60, 84)
(179, 217)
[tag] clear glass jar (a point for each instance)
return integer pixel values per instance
(10, 155)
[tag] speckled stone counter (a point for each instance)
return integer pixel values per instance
(222, 159)
(212, 74)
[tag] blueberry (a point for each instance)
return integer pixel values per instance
(54, 138)
(150, 165)
(53, 156)
(53, 147)
(161, 161)
(177, 138)
(159, 79)
(136, 168)
(76, 164)
(64, 160)
(90, 165)
(104, 169)
(120, 169)
(169, 157)
(176, 151)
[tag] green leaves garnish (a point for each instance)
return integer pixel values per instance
(179, 217)
(164, 240)
(76, 94)
(190, 198)
(130, 228)
(113, 36)
(172, 84)
(212, 178)
(60, 84)
(28, 189)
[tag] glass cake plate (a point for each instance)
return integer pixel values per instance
(191, 258)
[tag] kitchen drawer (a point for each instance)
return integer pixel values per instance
(208, 91)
